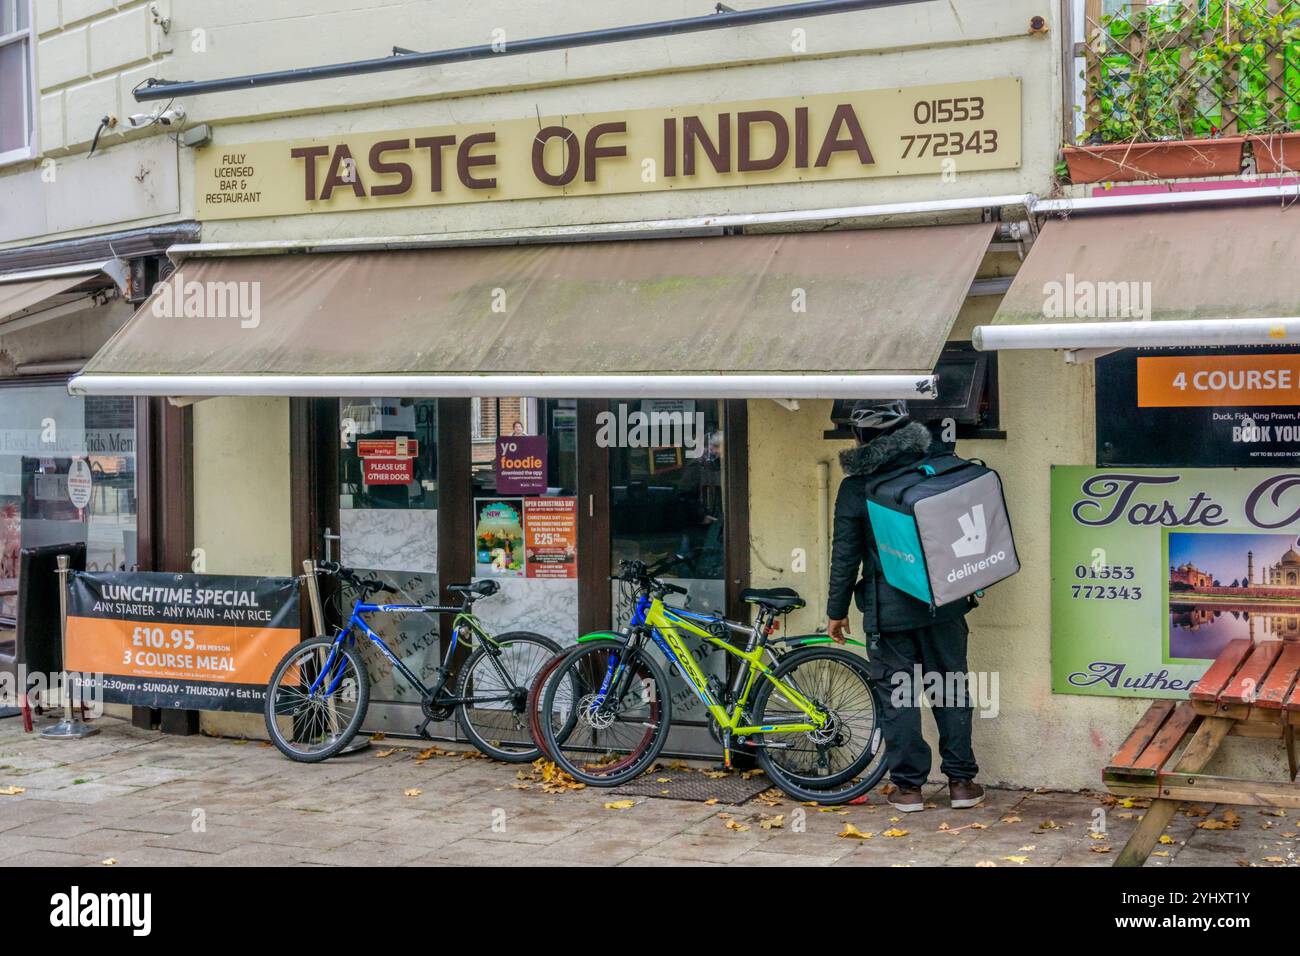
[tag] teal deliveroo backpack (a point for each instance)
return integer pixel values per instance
(942, 530)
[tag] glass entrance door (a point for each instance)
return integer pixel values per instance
(667, 503)
(388, 528)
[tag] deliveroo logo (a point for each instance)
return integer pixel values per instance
(974, 531)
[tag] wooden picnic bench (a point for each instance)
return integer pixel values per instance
(1250, 690)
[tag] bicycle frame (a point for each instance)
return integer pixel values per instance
(664, 625)
(464, 620)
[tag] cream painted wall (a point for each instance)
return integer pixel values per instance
(241, 485)
(242, 507)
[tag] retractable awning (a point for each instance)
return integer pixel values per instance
(1228, 275)
(830, 314)
(24, 291)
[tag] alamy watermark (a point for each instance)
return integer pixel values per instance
(1084, 299)
(190, 299)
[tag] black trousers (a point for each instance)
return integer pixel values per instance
(927, 662)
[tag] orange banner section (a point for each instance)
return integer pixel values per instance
(240, 655)
(1222, 381)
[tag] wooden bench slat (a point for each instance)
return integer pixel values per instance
(1292, 701)
(1145, 729)
(1166, 741)
(1221, 671)
(1245, 684)
(1280, 679)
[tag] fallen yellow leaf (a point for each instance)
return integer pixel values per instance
(1274, 859)
(620, 805)
(12, 791)
(109, 862)
(1160, 853)
(773, 823)
(735, 825)
(1011, 818)
(986, 863)
(853, 833)
(1016, 859)
(895, 832)
(711, 801)
(1099, 849)
(385, 753)
(412, 792)
(1166, 839)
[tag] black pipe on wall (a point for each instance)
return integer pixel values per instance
(155, 89)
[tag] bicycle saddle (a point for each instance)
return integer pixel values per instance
(778, 599)
(481, 588)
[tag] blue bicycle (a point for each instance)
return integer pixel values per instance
(317, 696)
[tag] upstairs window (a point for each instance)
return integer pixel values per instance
(17, 81)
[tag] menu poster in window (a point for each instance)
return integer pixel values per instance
(521, 465)
(551, 537)
(499, 537)
(183, 641)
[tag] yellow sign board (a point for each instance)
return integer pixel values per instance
(931, 130)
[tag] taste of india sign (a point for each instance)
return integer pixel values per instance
(1156, 570)
(929, 130)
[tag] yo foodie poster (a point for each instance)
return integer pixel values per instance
(1154, 571)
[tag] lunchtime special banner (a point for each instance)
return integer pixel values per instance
(1154, 571)
(185, 641)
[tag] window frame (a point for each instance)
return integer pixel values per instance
(32, 102)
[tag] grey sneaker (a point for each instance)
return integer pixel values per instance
(907, 799)
(965, 794)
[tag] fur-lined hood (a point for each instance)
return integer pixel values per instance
(912, 439)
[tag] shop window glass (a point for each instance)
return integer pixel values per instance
(388, 513)
(46, 437)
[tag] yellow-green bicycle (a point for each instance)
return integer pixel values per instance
(809, 712)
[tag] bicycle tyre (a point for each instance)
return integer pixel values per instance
(274, 689)
(536, 695)
(496, 750)
(641, 753)
(789, 778)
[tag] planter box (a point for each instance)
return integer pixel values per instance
(1132, 162)
(1276, 152)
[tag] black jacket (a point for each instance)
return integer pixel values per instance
(885, 608)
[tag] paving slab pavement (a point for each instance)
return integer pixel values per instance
(140, 798)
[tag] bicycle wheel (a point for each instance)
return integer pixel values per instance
(496, 682)
(536, 696)
(316, 699)
(839, 683)
(620, 699)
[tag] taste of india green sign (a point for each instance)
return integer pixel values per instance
(1154, 571)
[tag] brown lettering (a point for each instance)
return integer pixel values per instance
(801, 137)
(719, 155)
(570, 141)
(379, 166)
(670, 147)
(435, 145)
(592, 150)
(465, 162)
(309, 155)
(746, 163)
(856, 139)
(343, 172)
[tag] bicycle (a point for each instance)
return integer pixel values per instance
(318, 693)
(810, 715)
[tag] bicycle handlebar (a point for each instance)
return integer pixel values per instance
(641, 575)
(366, 585)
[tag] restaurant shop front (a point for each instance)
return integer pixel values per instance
(529, 332)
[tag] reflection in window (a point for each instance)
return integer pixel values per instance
(43, 431)
(666, 484)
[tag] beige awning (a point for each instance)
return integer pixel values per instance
(1177, 265)
(18, 297)
(814, 313)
